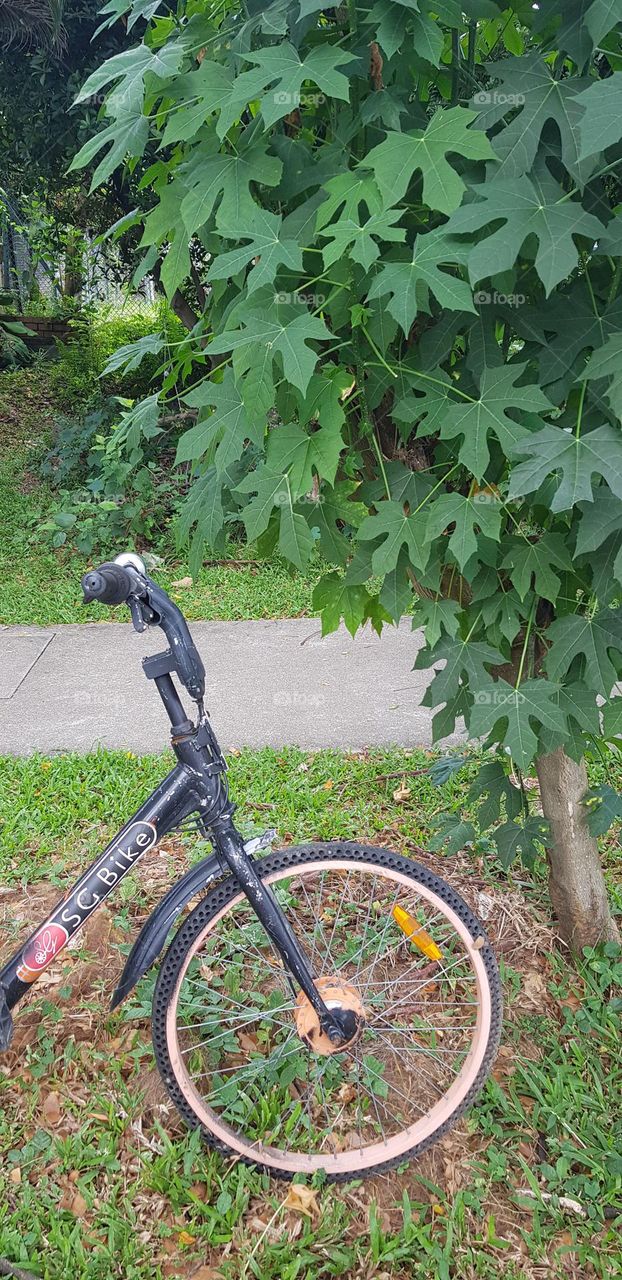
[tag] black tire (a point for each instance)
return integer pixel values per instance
(287, 859)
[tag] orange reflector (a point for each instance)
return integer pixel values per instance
(414, 931)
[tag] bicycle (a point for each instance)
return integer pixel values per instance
(329, 1006)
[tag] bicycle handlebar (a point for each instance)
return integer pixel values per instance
(113, 584)
(110, 584)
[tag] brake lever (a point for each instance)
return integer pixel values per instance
(138, 621)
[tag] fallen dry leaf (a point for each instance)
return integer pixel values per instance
(328, 786)
(15, 1175)
(183, 582)
(78, 1206)
(52, 1109)
(401, 793)
(302, 1200)
(184, 1237)
(533, 991)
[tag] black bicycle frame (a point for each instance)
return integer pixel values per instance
(196, 785)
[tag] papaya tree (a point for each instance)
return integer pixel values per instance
(402, 222)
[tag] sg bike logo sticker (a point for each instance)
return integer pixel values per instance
(41, 949)
(85, 897)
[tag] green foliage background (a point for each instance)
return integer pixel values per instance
(402, 219)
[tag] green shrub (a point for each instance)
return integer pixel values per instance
(112, 328)
(76, 376)
(109, 486)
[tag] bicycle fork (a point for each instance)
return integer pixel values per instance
(338, 1024)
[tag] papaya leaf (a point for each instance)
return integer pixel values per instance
(604, 807)
(488, 415)
(554, 450)
(287, 337)
(263, 231)
(336, 600)
(526, 840)
(400, 155)
(395, 529)
(591, 641)
(513, 716)
(534, 206)
(410, 283)
(466, 515)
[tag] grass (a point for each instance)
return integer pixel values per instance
(41, 586)
(100, 1179)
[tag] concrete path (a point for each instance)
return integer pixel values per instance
(269, 683)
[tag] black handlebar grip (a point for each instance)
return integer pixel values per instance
(110, 584)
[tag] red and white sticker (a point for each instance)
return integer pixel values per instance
(41, 950)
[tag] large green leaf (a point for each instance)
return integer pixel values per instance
(436, 616)
(578, 458)
(126, 137)
(514, 717)
(493, 783)
(477, 420)
(466, 514)
(400, 155)
(525, 840)
(502, 615)
(396, 529)
(300, 454)
(531, 560)
(387, 21)
(336, 599)
(535, 206)
(591, 640)
(410, 282)
(464, 660)
(359, 236)
(281, 67)
(221, 436)
(273, 490)
(263, 231)
(176, 265)
(227, 178)
(283, 331)
(202, 511)
(199, 93)
(344, 194)
(128, 71)
(530, 93)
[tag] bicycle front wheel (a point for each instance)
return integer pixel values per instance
(240, 1049)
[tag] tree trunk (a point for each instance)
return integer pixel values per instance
(576, 881)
